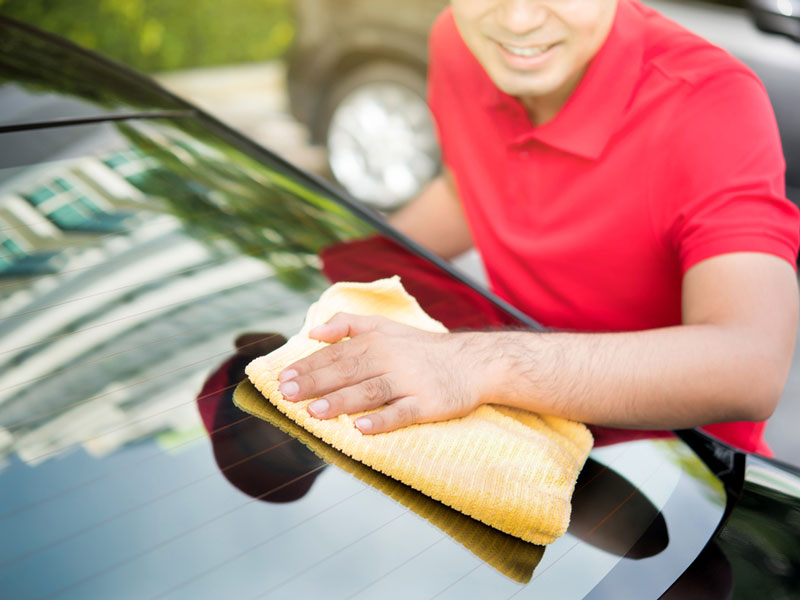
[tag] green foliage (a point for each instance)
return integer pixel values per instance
(160, 35)
(227, 200)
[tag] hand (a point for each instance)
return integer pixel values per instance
(417, 375)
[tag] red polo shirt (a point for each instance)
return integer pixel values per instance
(666, 154)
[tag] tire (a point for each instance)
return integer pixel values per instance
(380, 137)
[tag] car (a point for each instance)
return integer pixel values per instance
(356, 78)
(357, 71)
(149, 252)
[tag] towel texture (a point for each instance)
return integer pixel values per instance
(512, 556)
(509, 468)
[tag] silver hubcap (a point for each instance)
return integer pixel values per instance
(381, 144)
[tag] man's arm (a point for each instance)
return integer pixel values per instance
(435, 219)
(728, 361)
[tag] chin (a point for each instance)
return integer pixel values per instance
(524, 89)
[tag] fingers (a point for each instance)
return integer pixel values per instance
(344, 325)
(358, 374)
(338, 365)
(401, 413)
(367, 395)
(342, 354)
(325, 371)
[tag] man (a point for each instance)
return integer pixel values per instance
(623, 181)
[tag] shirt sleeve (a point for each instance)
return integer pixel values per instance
(724, 160)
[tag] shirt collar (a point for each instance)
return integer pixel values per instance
(593, 113)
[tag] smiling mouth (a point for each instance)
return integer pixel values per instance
(527, 52)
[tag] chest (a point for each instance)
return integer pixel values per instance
(578, 242)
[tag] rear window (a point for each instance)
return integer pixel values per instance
(142, 264)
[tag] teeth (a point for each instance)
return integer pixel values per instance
(527, 52)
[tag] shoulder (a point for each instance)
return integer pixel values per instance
(703, 98)
(685, 59)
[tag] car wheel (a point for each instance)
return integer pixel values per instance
(379, 134)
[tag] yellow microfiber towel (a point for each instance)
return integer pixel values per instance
(512, 556)
(509, 468)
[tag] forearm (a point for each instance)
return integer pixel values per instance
(668, 378)
(728, 361)
(435, 219)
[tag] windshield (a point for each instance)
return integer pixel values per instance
(143, 263)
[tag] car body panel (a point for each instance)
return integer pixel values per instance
(765, 553)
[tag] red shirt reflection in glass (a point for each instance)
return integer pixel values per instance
(255, 457)
(443, 297)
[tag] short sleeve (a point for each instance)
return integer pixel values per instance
(725, 167)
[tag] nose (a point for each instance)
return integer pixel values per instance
(520, 17)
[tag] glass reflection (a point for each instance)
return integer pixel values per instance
(277, 461)
(40, 81)
(255, 457)
(511, 556)
(231, 202)
(130, 249)
(613, 515)
(270, 460)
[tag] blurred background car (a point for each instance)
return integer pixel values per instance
(357, 79)
(357, 71)
(148, 252)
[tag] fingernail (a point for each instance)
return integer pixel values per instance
(318, 408)
(287, 375)
(364, 424)
(289, 389)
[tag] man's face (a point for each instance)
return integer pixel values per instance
(536, 50)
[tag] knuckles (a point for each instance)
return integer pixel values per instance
(362, 372)
(407, 414)
(347, 369)
(335, 352)
(377, 390)
(308, 384)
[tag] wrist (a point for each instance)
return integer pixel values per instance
(491, 358)
(513, 368)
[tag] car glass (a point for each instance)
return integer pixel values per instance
(41, 81)
(142, 265)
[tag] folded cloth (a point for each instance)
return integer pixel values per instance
(509, 468)
(512, 556)
(441, 295)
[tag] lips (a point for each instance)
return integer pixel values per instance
(528, 51)
(527, 57)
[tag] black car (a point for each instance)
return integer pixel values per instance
(357, 79)
(148, 253)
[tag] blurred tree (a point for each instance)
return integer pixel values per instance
(229, 200)
(160, 35)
